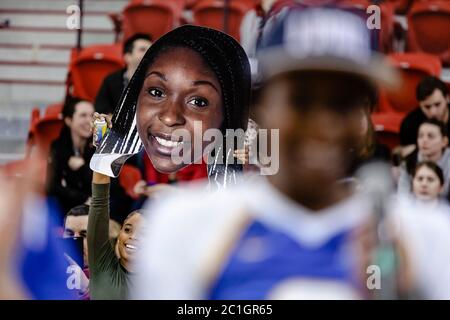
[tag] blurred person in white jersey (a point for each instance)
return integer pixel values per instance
(298, 233)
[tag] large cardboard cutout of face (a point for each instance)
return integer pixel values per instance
(222, 54)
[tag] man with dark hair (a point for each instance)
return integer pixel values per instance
(75, 226)
(134, 49)
(432, 95)
(76, 222)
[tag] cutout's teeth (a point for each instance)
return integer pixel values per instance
(167, 143)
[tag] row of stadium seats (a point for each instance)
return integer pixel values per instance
(428, 20)
(428, 32)
(403, 6)
(165, 15)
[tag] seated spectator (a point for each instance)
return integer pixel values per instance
(68, 173)
(432, 95)
(113, 85)
(427, 182)
(432, 145)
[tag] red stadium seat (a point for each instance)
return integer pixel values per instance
(210, 13)
(54, 110)
(413, 67)
(387, 124)
(153, 17)
(46, 131)
(387, 27)
(35, 115)
(394, 105)
(429, 28)
(311, 3)
(188, 4)
(90, 66)
(401, 6)
(128, 178)
(13, 168)
(387, 138)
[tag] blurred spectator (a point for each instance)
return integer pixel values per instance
(290, 236)
(32, 263)
(251, 26)
(432, 145)
(68, 174)
(109, 94)
(368, 147)
(432, 95)
(427, 182)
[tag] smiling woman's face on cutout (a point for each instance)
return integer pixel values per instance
(179, 88)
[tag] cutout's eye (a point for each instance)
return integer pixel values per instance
(199, 102)
(155, 93)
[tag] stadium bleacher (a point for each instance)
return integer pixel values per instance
(35, 50)
(39, 64)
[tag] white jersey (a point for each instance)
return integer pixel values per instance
(252, 242)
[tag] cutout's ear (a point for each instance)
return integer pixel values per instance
(68, 121)
(446, 141)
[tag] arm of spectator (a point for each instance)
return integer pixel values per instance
(139, 188)
(98, 223)
(157, 189)
(10, 217)
(13, 193)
